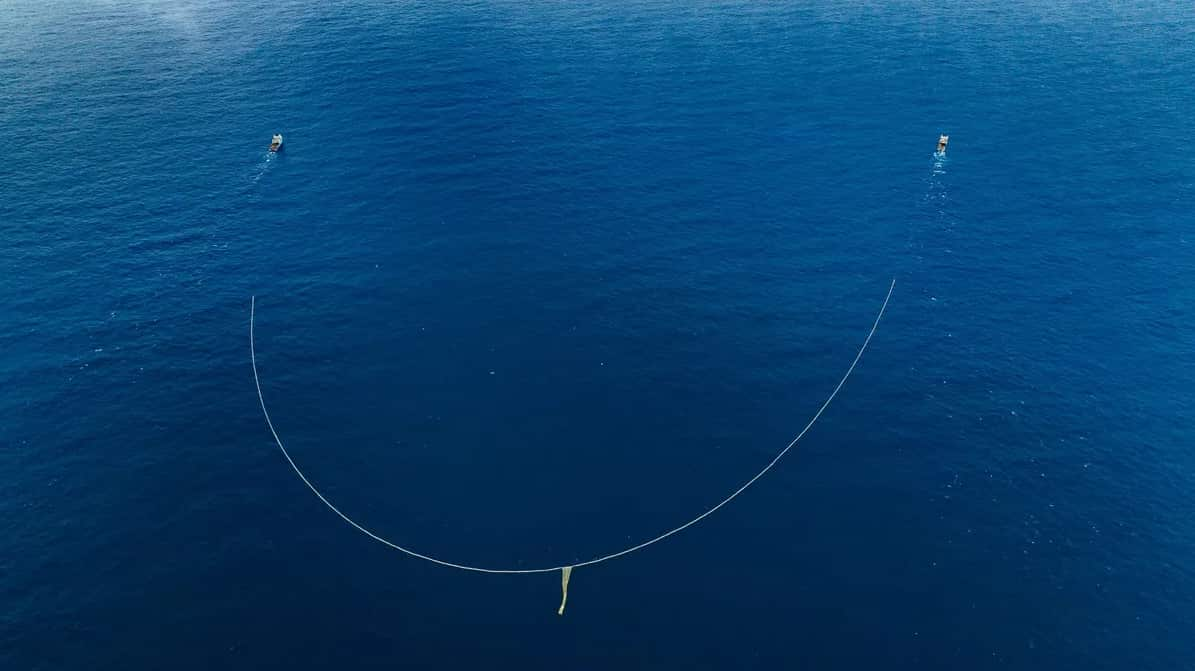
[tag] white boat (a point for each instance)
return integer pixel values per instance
(942, 140)
(276, 143)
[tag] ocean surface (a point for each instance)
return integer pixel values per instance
(536, 281)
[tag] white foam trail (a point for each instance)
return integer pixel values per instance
(264, 166)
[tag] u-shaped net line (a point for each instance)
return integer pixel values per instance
(597, 560)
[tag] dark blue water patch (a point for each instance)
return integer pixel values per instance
(538, 282)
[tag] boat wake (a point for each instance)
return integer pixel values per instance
(936, 194)
(263, 167)
(933, 218)
(939, 162)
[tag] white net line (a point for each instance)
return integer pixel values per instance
(613, 555)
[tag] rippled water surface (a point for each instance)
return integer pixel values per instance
(536, 281)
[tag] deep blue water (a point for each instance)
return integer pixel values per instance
(538, 280)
